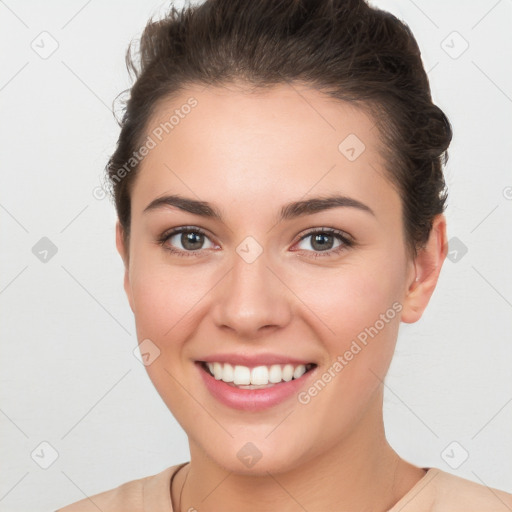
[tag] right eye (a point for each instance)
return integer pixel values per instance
(190, 238)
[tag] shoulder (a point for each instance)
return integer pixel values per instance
(127, 497)
(131, 496)
(439, 491)
(467, 495)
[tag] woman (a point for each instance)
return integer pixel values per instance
(279, 188)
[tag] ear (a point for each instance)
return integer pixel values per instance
(425, 273)
(123, 252)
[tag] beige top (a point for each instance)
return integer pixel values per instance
(437, 491)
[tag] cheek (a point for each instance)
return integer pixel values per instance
(355, 299)
(361, 307)
(164, 302)
(363, 314)
(168, 303)
(159, 298)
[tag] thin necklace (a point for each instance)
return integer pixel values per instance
(181, 492)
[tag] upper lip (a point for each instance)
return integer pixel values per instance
(254, 360)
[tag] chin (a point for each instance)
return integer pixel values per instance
(259, 454)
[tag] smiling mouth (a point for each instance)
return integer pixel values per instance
(258, 377)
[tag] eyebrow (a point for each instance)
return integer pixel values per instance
(289, 211)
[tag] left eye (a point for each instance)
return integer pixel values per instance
(322, 241)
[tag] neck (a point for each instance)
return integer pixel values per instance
(361, 472)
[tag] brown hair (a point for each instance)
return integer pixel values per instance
(345, 48)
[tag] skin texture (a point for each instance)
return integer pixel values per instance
(249, 154)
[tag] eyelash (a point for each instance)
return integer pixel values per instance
(342, 236)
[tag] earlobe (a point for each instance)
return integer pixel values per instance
(123, 252)
(427, 266)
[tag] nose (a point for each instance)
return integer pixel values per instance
(251, 300)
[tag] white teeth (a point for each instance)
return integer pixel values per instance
(258, 376)
(299, 371)
(287, 372)
(228, 373)
(242, 375)
(217, 371)
(275, 374)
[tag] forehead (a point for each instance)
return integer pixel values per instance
(235, 144)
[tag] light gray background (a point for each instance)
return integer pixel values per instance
(68, 373)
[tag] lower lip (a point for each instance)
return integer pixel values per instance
(252, 399)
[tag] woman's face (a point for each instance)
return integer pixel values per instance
(263, 284)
